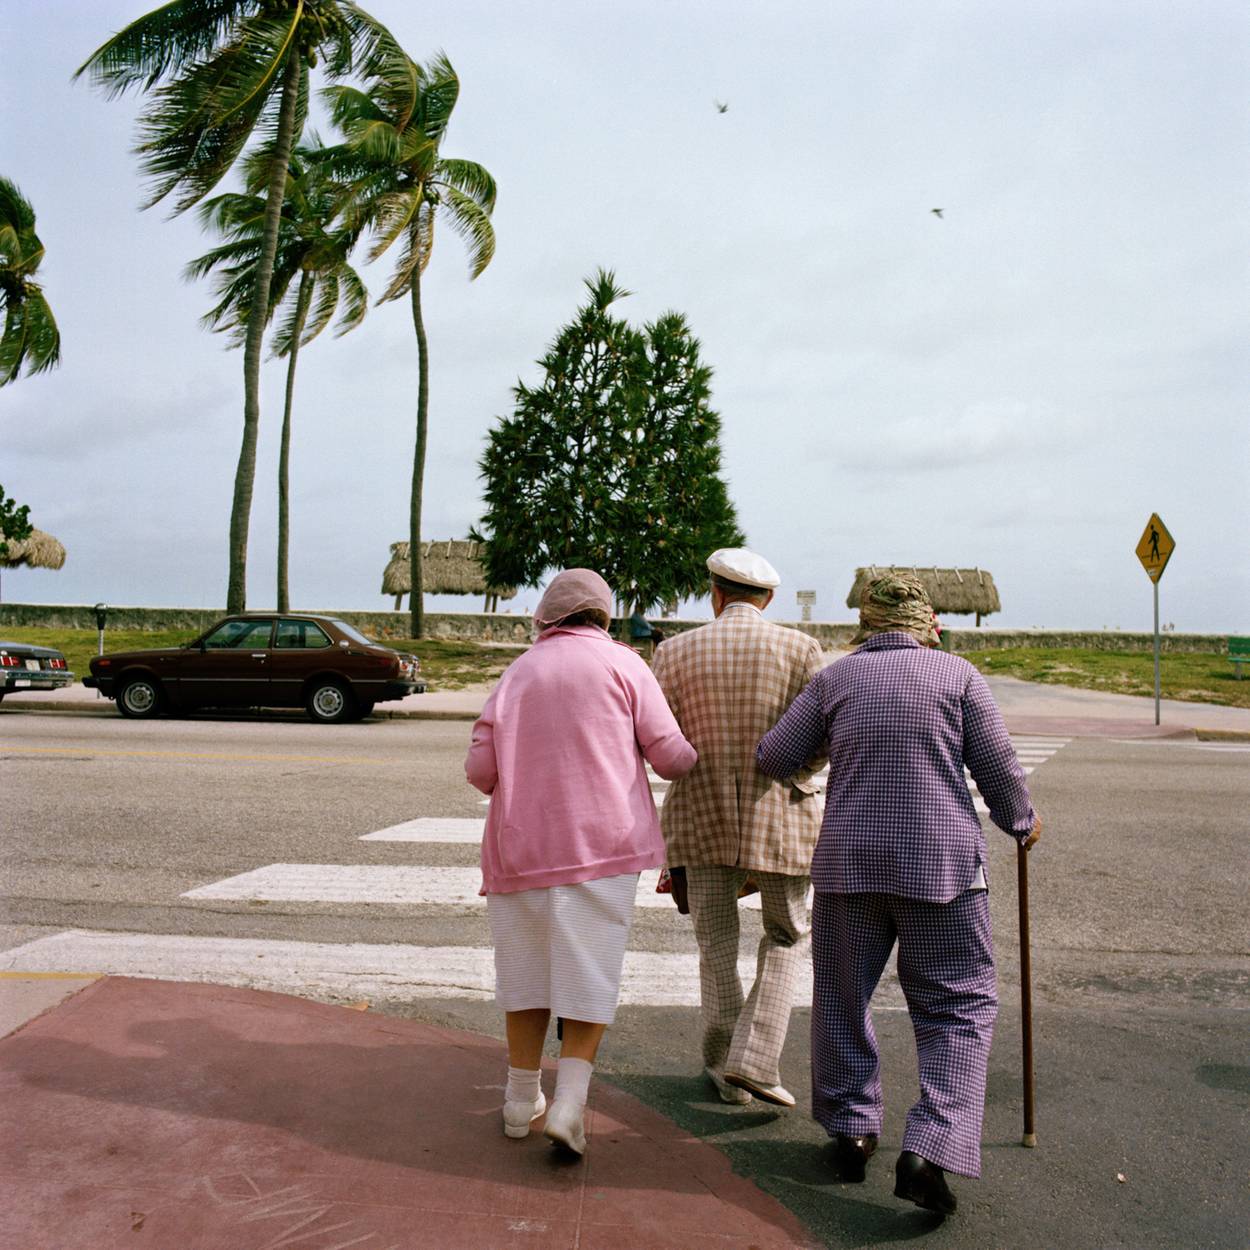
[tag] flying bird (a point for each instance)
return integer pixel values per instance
(937, 212)
(721, 108)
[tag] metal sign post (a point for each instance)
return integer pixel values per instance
(1154, 550)
(805, 599)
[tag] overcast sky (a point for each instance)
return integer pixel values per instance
(1016, 385)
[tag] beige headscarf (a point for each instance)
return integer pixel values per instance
(573, 590)
(896, 602)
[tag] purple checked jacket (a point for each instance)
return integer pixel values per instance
(901, 722)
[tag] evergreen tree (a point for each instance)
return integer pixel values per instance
(612, 463)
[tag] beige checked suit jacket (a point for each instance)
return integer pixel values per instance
(728, 684)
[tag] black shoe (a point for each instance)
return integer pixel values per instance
(924, 1183)
(851, 1155)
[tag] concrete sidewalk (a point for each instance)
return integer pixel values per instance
(1028, 708)
(171, 1115)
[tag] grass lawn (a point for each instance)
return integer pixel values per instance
(445, 665)
(1197, 678)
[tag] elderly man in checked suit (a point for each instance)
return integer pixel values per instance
(727, 683)
(902, 858)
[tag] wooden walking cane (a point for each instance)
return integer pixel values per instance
(1026, 995)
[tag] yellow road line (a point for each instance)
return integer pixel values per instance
(51, 976)
(199, 755)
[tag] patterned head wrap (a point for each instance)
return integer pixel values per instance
(573, 590)
(896, 602)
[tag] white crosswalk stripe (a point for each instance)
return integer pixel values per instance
(395, 973)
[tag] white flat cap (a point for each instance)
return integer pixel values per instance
(740, 565)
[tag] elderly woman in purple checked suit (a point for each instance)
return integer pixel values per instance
(560, 748)
(902, 859)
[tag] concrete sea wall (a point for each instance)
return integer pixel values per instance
(515, 628)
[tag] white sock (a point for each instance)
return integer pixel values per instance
(573, 1080)
(523, 1086)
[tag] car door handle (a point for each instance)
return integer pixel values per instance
(258, 655)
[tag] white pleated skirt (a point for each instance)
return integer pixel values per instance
(563, 947)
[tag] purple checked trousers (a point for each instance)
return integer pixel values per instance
(946, 969)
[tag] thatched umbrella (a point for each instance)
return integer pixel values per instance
(952, 591)
(451, 566)
(39, 551)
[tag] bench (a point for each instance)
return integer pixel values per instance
(1239, 652)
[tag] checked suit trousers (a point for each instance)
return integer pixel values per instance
(946, 970)
(746, 1036)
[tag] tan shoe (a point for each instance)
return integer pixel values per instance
(776, 1094)
(728, 1093)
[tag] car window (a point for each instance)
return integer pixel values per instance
(301, 634)
(239, 634)
(353, 633)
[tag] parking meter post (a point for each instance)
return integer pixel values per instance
(101, 615)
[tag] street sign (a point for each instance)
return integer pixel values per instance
(1155, 547)
(805, 596)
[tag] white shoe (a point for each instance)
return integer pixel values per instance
(728, 1093)
(564, 1125)
(518, 1116)
(776, 1094)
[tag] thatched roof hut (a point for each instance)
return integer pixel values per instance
(450, 566)
(952, 591)
(39, 551)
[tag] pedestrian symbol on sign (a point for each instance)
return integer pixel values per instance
(1155, 547)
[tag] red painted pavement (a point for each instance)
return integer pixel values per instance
(179, 1116)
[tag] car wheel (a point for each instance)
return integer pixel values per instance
(329, 702)
(362, 710)
(140, 698)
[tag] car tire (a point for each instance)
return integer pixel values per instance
(363, 709)
(329, 702)
(140, 698)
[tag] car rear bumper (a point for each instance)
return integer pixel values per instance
(27, 679)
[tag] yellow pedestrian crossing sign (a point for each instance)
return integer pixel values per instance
(1155, 548)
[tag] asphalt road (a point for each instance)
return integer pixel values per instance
(1141, 953)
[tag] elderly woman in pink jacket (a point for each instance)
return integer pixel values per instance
(560, 748)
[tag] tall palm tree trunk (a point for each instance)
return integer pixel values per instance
(303, 299)
(416, 603)
(245, 474)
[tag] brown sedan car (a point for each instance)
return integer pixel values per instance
(261, 660)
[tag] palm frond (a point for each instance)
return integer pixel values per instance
(394, 78)
(16, 211)
(471, 178)
(414, 255)
(440, 89)
(391, 215)
(355, 300)
(325, 302)
(162, 42)
(31, 340)
(293, 310)
(470, 222)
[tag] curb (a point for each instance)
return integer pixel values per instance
(106, 707)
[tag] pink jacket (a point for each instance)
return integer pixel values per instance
(559, 747)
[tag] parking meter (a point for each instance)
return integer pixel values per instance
(101, 613)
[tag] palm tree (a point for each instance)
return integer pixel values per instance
(215, 71)
(402, 186)
(312, 247)
(30, 339)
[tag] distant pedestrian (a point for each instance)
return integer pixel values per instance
(902, 858)
(725, 821)
(561, 747)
